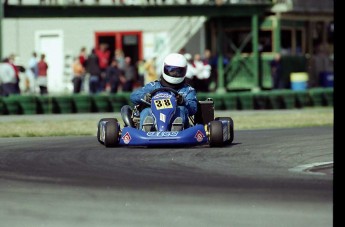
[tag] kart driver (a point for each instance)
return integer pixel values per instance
(173, 76)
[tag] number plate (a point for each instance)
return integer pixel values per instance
(163, 104)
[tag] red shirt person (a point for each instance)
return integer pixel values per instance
(103, 55)
(42, 75)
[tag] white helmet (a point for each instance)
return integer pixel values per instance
(174, 68)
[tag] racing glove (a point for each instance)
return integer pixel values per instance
(147, 97)
(180, 100)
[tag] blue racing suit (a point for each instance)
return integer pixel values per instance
(188, 109)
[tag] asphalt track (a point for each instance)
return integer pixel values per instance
(257, 181)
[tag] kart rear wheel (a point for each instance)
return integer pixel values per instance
(99, 129)
(112, 133)
(231, 123)
(216, 133)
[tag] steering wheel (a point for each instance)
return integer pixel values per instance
(164, 89)
(160, 89)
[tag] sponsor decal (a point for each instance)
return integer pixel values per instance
(162, 117)
(162, 95)
(162, 134)
(199, 136)
(126, 138)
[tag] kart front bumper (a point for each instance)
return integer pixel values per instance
(192, 136)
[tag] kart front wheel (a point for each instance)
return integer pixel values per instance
(112, 133)
(231, 127)
(216, 133)
(99, 127)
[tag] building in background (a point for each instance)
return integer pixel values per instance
(295, 28)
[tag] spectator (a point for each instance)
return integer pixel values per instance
(103, 55)
(7, 78)
(209, 59)
(120, 58)
(113, 76)
(319, 64)
(150, 71)
(202, 72)
(276, 72)
(78, 75)
(83, 56)
(141, 72)
(42, 80)
(182, 51)
(92, 65)
(190, 74)
(11, 59)
(32, 72)
(130, 73)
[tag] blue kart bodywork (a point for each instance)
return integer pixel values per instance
(216, 132)
(192, 136)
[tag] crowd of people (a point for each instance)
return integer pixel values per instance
(36, 76)
(100, 71)
(108, 74)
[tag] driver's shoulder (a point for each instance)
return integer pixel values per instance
(188, 87)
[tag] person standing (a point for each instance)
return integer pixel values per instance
(141, 72)
(83, 61)
(32, 72)
(92, 67)
(276, 72)
(150, 68)
(191, 71)
(11, 61)
(103, 55)
(203, 73)
(83, 56)
(113, 76)
(211, 60)
(130, 73)
(7, 78)
(78, 75)
(42, 80)
(119, 56)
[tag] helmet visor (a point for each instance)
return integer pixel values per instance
(175, 71)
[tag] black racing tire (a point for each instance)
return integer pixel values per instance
(231, 127)
(112, 133)
(216, 133)
(98, 127)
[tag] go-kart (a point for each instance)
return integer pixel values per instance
(203, 127)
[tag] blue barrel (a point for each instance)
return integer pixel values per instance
(299, 81)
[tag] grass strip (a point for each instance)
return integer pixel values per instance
(86, 124)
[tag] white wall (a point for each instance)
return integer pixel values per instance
(19, 34)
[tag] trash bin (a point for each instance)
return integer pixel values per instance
(299, 81)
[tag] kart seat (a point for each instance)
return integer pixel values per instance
(205, 112)
(126, 114)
